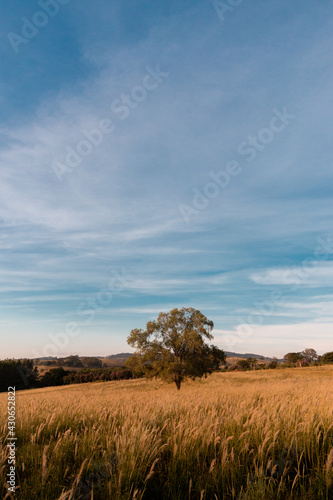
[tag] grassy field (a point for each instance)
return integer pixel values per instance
(252, 435)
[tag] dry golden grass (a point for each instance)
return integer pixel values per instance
(252, 435)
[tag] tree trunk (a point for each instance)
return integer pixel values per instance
(178, 382)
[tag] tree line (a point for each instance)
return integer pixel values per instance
(23, 375)
(73, 362)
(308, 357)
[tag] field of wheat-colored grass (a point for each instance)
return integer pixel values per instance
(253, 435)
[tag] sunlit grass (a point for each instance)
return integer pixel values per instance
(252, 435)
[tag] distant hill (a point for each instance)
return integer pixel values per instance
(116, 359)
(47, 358)
(230, 354)
(121, 355)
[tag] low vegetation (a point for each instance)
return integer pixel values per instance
(234, 435)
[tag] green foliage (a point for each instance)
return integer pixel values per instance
(48, 362)
(243, 364)
(91, 362)
(292, 357)
(54, 377)
(310, 355)
(70, 361)
(247, 364)
(98, 375)
(173, 347)
(73, 361)
(59, 376)
(18, 373)
(327, 358)
(253, 362)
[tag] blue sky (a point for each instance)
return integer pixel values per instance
(139, 226)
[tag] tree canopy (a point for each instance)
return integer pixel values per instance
(327, 358)
(310, 355)
(19, 373)
(292, 357)
(173, 347)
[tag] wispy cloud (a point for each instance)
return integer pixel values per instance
(319, 276)
(119, 207)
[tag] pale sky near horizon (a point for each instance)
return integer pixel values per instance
(160, 155)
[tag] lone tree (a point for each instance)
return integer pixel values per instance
(173, 347)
